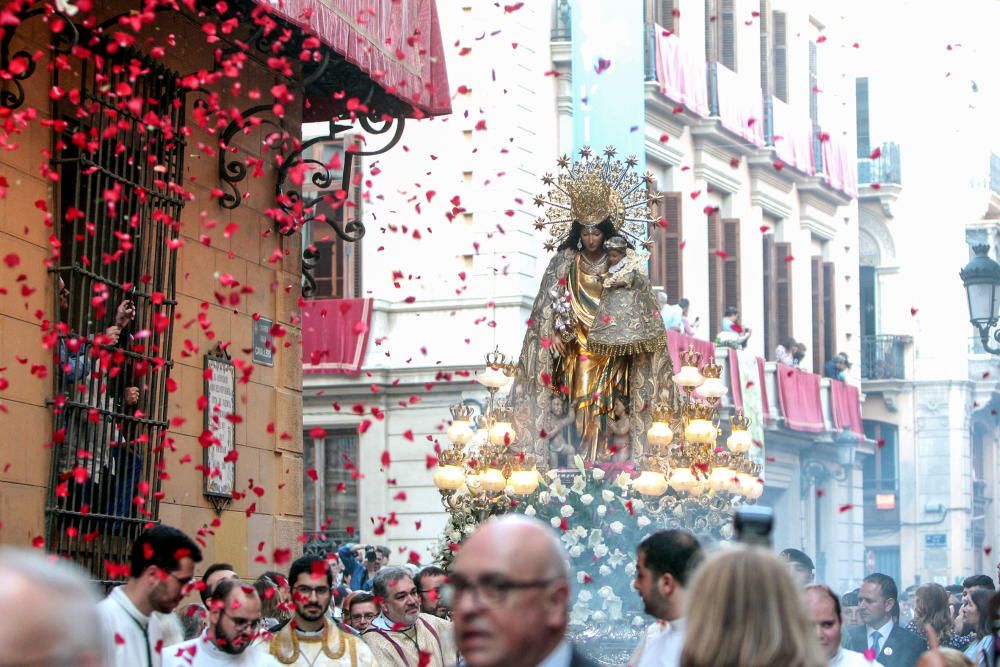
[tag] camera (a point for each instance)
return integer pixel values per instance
(370, 554)
(753, 525)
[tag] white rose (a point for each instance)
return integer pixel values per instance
(617, 527)
(576, 551)
(623, 480)
(454, 536)
(606, 592)
(581, 577)
(530, 511)
(638, 505)
(601, 510)
(600, 551)
(643, 521)
(598, 474)
(580, 531)
(604, 570)
(607, 495)
(638, 621)
(630, 569)
(585, 595)
(566, 511)
(586, 499)
(555, 522)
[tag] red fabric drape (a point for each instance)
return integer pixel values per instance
(678, 342)
(845, 404)
(800, 401)
(335, 335)
(735, 383)
(398, 43)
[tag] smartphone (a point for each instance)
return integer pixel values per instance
(753, 525)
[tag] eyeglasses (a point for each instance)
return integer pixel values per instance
(308, 591)
(363, 617)
(436, 589)
(491, 590)
(252, 624)
(183, 581)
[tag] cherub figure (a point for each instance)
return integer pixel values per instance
(557, 449)
(619, 448)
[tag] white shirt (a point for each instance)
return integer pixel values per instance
(883, 632)
(561, 656)
(661, 645)
(133, 639)
(202, 652)
(845, 658)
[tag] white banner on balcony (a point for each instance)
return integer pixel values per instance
(681, 75)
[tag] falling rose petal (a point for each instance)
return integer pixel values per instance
(875, 154)
(870, 654)
(12, 259)
(913, 311)
(312, 474)
(385, 460)
(38, 542)
(845, 508)
(987, 550)
(430, 462)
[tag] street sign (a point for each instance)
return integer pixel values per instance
(936, 540)
(263, 344)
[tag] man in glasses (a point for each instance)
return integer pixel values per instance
(136, 616)
(233, 625)
(360, 609)
(509, 596)
(400, 635)
(311, 639)
(430, 581)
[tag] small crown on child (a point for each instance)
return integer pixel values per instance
(615, 243)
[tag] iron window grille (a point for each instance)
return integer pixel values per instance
(118, 150)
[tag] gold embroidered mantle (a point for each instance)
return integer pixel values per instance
(333, 647)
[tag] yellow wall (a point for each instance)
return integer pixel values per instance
(272, 396)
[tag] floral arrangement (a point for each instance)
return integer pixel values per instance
(564, 323)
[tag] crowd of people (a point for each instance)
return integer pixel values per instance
(504, 603)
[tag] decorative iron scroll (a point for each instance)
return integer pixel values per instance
(22, 62)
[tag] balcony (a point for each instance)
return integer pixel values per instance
(883, 357)
(886, 168)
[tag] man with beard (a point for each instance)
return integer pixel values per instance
(400, 635)
(665, 562)
(233, 624)
(429, 581)
(311, 639)
(161, 570)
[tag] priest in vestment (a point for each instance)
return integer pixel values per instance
(401, 635)
(310, 639)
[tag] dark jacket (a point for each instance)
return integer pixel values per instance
(901, 649)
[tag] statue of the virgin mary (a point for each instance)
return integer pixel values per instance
(565, 379)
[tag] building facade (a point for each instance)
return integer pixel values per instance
(155, 161)
(758, 172)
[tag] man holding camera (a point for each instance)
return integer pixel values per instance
(361, 563)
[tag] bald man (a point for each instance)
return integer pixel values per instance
(510, 597)
(50, 613)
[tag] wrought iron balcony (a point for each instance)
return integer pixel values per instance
(885, 168)
(882, 357)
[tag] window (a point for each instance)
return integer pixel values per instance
(881, 474)
(117, 210)
(766, 74)
(337, 266)
(777, 293)
(861, 114)
(720, 32)
(330, 502)
(780, 38)
(662, 12)
(666, 259)
(813, 83)
(723, 267)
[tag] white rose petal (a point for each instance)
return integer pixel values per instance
(580, 531)
(601, 510)
(600, 551)
(607, 495)
(598, 474)
(576, 551)
(617, 527)
(604, 570)
(530, 511)
(566, 511)
(586, 499)
(555, 522)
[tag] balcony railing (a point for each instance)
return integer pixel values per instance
(882, 357)
(885, 168)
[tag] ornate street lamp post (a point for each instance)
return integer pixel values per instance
(981, 278)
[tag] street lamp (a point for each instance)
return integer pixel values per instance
(981, 278)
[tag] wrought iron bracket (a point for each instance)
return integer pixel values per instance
(12, 99)
(233, 171)
(984, 339)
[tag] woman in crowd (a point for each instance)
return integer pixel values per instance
(976, 615)
(931, 608)
(761, 622)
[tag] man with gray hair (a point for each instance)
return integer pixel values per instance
(51, 613)
(401, 635)
(509, 595)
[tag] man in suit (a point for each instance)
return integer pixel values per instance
(878, 608)
(509, 590)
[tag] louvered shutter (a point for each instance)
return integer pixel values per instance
(731, 264)
(819, 313)
(716, 282)
(770, 295)
(665, 14)
(780, 40)
(783, 289)
(861, 116)
(727, 29)
(830, 309)
(712, 21)
(766, 77)
(813, 83)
